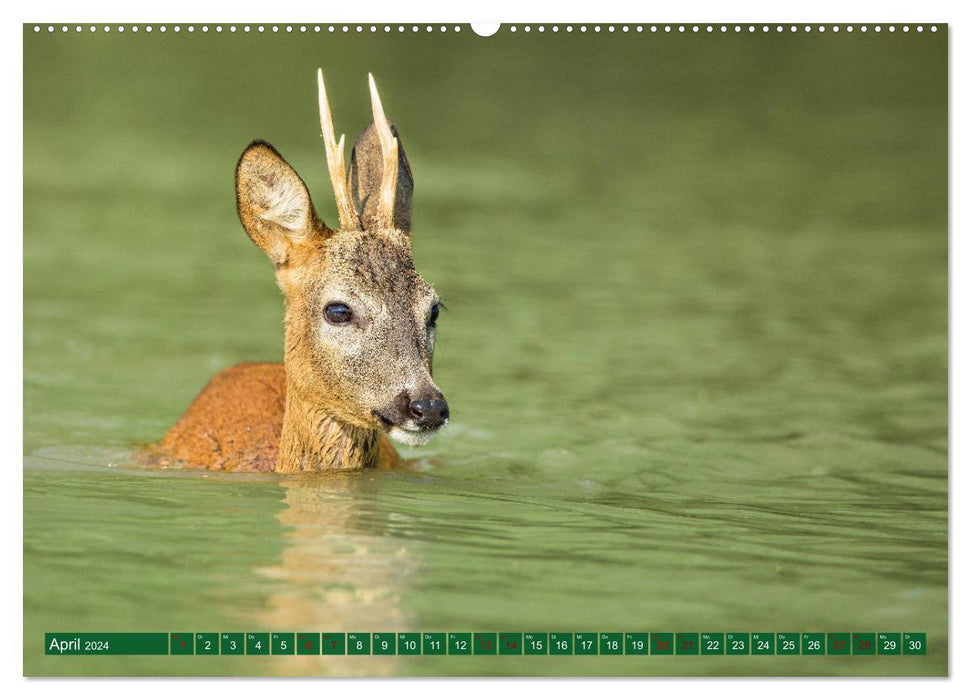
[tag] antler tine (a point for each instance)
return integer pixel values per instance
(335, 160)
(389, 152)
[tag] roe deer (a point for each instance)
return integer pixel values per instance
(360, 321)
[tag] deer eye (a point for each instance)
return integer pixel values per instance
(433, 316)
(337, 313)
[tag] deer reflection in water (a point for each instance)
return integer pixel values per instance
(339, 572)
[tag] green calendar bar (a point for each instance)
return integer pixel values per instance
(585, 643)
(487, 643)
(409, 643)
(763, 643)
(459, 643)
(737, 643)
(536, 643)
(207, 643)
(864, 644)
(915, 643)
(838, 643)
(231, 643)
(383, 644)
(686, 643)
(106, 643)
(257, 643)
(308, 643)
(637, 644)
(433, 644)
(358, 643)
(662, 643)
(561, 643)
(333, 643)
(813, 644)
(611, 643)
(511, 643)
(180, 644)
(712, 643)
(787, 643)
(282, 643)
(888, 643)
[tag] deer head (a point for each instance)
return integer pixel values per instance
(360, 320)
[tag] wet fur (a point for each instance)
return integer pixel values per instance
(247, 438)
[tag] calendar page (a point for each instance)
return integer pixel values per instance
(535, 349)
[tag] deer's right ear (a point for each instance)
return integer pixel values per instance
(273, 203)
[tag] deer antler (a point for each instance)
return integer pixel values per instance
(335, 161)
(384, 216)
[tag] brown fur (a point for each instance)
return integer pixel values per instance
(235, 423)
(341, 385)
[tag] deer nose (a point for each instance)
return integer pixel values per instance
(429, 413)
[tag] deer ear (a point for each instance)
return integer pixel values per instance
(273, 203)
(364, 178)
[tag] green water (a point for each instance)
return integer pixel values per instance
(695, 345)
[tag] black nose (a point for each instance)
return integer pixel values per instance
(429, 413)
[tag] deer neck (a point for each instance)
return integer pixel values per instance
(314, 439)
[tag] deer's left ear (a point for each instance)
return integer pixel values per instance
(273, 203)
(365, 179)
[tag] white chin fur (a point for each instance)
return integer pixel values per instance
(411, 437)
